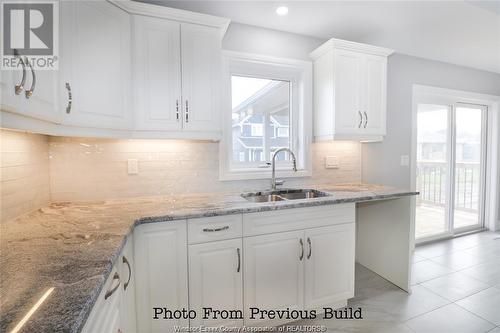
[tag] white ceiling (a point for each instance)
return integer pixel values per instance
(460, 32)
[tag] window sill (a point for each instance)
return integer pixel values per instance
(248, 174)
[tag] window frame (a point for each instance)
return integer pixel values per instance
(299, 74)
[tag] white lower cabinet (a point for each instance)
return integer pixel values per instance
(329, 265)
(274, 273)
(114, 310)
(216, 281)
(160, 256)
(231, 264)
(300, 270)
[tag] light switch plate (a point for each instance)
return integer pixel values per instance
(331, 162)
(133, 167)
(405, 160)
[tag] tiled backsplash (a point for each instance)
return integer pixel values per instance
(24, 173)
(36, 169)
(96, 169)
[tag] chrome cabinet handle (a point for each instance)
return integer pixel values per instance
(310, 248)
(70, 98)
(360, 119)
(177, 109)
(125, 261)
(302, 247)
(187, 111)
(216, 229)
(20, 87)
(29, 92)
(239, 260)
(366, 119)
(111, 292)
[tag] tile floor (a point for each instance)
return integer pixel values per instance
(456, 288)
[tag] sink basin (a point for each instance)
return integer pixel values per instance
(258, 197)
(303, 194)
(285, 194)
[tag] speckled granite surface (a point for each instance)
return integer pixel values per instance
(72, 247)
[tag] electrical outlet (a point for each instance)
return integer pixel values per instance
(133, 167)
(331, 162)
(405, 160)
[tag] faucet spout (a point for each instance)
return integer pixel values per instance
(273, 162)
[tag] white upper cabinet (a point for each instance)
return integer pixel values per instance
(34, 96)
(95, 65)
(350, 85)
(201, 77)
(157, 74)
(128, 70)
(177, 78)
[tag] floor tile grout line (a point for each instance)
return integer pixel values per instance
(475, 314)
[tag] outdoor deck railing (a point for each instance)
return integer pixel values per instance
(431, 183)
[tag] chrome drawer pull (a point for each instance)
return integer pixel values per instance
(216, 229)
(29, 92)
(70, 98)
(20, 87)
(111, 292)
(177, 110)
(366, 119)
(360, 119)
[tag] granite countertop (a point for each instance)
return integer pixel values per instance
(72, 247)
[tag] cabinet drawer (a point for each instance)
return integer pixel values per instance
(297, 218)
(207, 229)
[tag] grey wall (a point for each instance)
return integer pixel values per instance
(247, 38)
(381, 161)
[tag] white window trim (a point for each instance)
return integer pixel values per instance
(299, 73)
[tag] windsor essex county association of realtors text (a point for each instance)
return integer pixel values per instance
(209, 313)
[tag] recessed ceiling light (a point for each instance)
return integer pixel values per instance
(282, 10)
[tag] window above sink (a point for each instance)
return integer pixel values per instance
(267, 106)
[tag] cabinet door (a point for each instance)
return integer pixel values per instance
(201, 77)
(273, 273)
(127, 268)
(160, 257)
(374, 94)
(215, 280)
(329, 267)
(347, 93)
(157, 74)
(95, 64)
(41, 104)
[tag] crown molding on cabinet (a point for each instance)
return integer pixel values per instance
(139, 8)
(350, 46)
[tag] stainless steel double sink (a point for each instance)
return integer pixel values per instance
(282, 195)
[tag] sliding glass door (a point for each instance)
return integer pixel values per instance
(450, 169)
